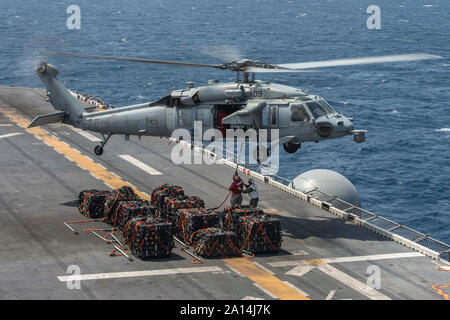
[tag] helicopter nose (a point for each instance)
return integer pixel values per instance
(344, 126)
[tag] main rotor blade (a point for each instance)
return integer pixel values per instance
(274, 70)
(356, 61)
(225, 53)
(90, 56)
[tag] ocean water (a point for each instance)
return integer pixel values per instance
(402, 171)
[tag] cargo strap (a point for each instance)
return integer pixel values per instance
(260, 225)
(222, 202)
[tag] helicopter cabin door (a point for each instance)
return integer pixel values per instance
(221, 112)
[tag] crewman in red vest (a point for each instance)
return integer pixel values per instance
(236, 190)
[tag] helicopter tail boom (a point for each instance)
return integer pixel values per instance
(58, 95)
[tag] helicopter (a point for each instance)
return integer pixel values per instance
(246, 103)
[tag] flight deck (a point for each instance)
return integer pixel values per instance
(42, 170)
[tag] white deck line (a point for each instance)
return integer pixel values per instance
(265, 291)
(374, 257)
(140, 164)
(296, 289)
(330, 295)
(351, 259)
(351, 282)
(10, 135)
(264, 268)
(131, 274)
(86, 134)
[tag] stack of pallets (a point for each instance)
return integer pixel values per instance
(148, 237)
(255, 230)
(214, 242)
(112, 202)
(162, 192)
(126, 210)
(232, 215)
(188, 221)
(91, 203)
(259, 233)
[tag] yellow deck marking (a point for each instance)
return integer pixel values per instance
(440, 291)
(443, 268)
(264, 279)
(315, 261)
(272, 211)
(261, 277)
(83, 161)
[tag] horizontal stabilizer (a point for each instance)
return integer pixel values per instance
(47, 119)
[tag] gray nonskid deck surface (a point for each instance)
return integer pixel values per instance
(39, 186)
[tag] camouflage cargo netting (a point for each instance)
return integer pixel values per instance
(166, 202)
(232, 215)
(214, 242)
(126, 210)
(124, 193)
(259, 233)
(92, 202)
(172, 205)
(163, 191)
(148, 237)
(191, 220)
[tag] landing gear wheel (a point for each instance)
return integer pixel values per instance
(291, 147)
(98, 150)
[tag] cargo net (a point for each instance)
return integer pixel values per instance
(188, 221)
(148, 237)
(172, 205)
(91, 203)
(232, 215)
(181, 202)
(255, 230)
(214, 243)
(112, 202)
(161, 192)
(259, 233)
(127, 210)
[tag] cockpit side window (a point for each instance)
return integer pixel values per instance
(316, 110)
(298, 113)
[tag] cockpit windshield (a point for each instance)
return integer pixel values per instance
(326, 106)
(319, 108)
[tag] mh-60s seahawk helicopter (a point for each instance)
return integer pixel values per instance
(245, 103)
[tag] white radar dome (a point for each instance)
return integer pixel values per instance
(329, 182)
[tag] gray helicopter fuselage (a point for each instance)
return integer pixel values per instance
(299, 117)
(183, 107)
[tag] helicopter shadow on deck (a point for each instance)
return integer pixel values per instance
(325, 228)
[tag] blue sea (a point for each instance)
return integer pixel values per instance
(402, 171)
